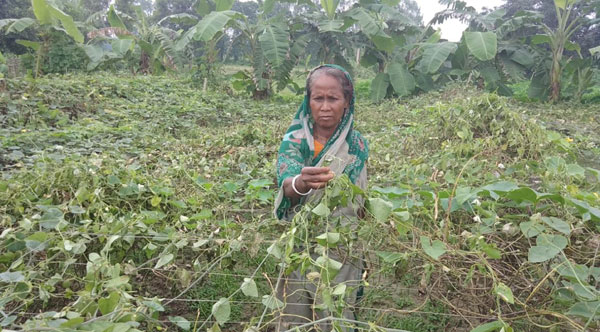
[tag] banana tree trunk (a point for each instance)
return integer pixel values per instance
(555, 75)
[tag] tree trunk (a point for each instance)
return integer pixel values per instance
(555, 77)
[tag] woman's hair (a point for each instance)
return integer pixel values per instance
(339, 75)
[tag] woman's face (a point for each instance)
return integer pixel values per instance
(327, 102)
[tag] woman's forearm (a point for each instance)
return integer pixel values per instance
(289, 192)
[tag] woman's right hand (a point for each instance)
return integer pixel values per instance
(310, 178)
(314, 178)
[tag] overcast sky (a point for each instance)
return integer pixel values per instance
(452, 29)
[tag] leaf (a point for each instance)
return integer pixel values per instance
(339, 290)
(113, 19)
(12, 276)
(223, 5)
(271, 302)
(76, 209)
(108, 304)
(504, 293)
(390, 257)
(557, 224)
(330, 265)
(221, 310)
(489, 327)
(574, 170)
(330, 25)
(73, 322)
(37, 241)
(548, 246)
(274, 42)
(402, 80)
(274, 250)
(434, 55)
(40, 9)
(181, 322)
(28, 43)
(249, 287)
(20, 25)
(434, 249)
(541, 39)
(368, 24)
(206, 29)
(384, 43)
(531, 228)
(321, 210)
(523, 194)
(328, 239)
(154, 305)
(165, 259)
(483, 45)
(380, 209)
(379, 87)
(121, 46)
(117, 282)
(330, 6)
(67, 23)
(51, 218)
(587, 310)
(392, 192)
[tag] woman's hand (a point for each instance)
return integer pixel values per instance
(310, 178)
(314, 178)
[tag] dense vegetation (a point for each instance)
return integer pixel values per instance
(552, 45)
(134, 203)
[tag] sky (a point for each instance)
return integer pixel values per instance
(452, 29)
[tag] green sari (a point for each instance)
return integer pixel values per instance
(346, 149)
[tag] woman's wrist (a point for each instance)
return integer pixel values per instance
(299, 186)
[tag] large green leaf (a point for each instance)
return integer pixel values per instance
(434, 56)
(28, 43)
(368, 24)
(223, 5)
(539, 86)
(483, 45)
(122, 46)
(114, 20)
(20, 25)
(67, 22)
(330, 25)
(330, 6)
(379, 86)
(40, 9)
(212, 23)
(274, 41)
(401, 79)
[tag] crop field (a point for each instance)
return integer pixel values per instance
(141, 203)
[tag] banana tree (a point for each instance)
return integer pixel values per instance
(407, 56)
(488, 54)
(276, 45)
(48, 17)
(209, 30)
(559, 40)
(148, 48)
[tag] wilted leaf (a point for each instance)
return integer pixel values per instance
(221, 310)
(434, 249)
(249, 287)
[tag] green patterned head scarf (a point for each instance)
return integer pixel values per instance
(297, 148)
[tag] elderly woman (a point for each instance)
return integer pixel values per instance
(321, 131)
